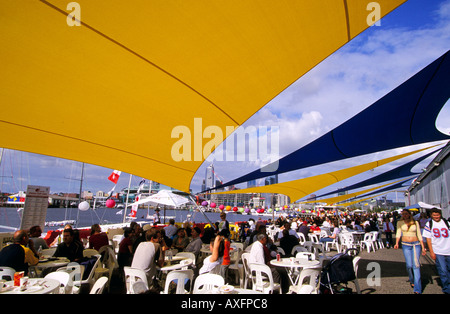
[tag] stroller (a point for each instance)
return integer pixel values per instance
(337, 273)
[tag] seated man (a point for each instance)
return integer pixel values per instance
(196, 244)
(35, 236)
(260, 254)
(69, 248)
(17, 255)
(150, 254)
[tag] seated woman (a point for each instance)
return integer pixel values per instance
(217, 247)
(181, 241)
(333, 236)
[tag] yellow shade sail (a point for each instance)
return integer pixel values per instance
(341, 198)
(111, 91)
(361, 200)
(297, 189)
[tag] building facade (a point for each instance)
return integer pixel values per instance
(433, 184)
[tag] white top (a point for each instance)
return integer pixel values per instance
(208, 266)
(257, 253)
(145, 256)
(439, 235)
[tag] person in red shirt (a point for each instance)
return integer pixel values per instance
(314, 228)
(97, 238)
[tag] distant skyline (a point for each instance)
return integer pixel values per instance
(351, 79)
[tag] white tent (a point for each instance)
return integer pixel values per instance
(163, 197)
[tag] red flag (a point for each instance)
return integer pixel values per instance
(114, 177)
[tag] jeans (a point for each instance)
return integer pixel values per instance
(443, 268)
(412, 252)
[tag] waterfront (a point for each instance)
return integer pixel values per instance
(11, 217)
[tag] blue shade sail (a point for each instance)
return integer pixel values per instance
(408, 112)
(402, 171)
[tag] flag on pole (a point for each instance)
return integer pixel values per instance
(141, 185)
(114, 177)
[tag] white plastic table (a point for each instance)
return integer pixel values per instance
(34, 286)
(293, 265)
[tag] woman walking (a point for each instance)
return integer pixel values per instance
(412, 245)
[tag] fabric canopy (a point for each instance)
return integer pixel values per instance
(341, 198)
(398, 172)
(299, 188)
(112, 91)
(360, 200)
(163, 197)
(409, 113)
(391, 187)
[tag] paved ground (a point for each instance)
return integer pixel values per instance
(394, 277)
(390, 264)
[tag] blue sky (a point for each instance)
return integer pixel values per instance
(344, 84)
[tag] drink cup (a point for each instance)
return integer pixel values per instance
(17, 277)
(23, 283)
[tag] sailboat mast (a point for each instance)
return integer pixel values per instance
(126, 202)
(81, 189)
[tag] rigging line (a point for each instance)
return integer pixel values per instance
(142, 58)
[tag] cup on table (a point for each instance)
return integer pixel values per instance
(23, 283)
(17, 277)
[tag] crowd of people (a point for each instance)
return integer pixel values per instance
(145, 247)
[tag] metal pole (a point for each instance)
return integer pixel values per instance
(201, 210)
(126, 202)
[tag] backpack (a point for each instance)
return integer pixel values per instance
(445, 221)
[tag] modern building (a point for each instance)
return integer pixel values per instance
(432, 186)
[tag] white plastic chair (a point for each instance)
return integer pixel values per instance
(189, 255)
(355, 261)
(262, 279)
(301, 237)
(90, 252)
(99, 285)
(139, 287)
(237, 246)
(368, 242)
(76, 272)
(207, 282)
(108, 265)
(237, 267)
(298, 248)
(305, 255)
(313, 238)
(319, 251)
(377, 240)
(247, 274)
(334, 243)
(308, 245)
(63, 278)
(281, 251)
(90, 280)
(180, 276)
(133, 275)
(7, 273)
(48, 252)
(308, 282)
(346, 241)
